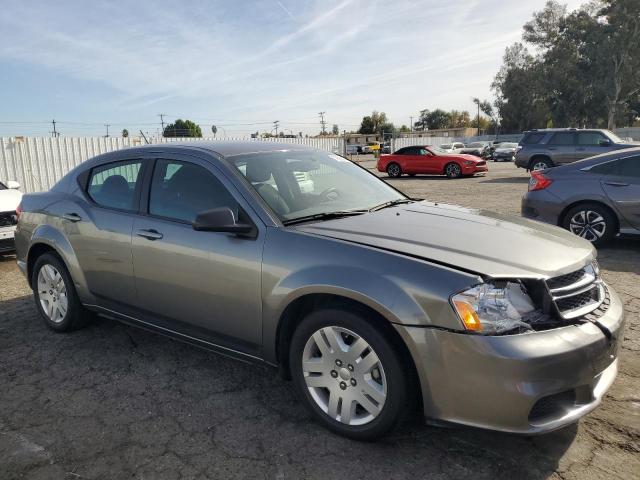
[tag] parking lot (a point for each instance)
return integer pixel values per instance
(111, 401)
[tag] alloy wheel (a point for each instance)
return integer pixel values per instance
(344, 375)
(540, 166)
(453, 170)
(52, 293)
(588, 224)
(393, 170)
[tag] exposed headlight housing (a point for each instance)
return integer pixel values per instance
(492, 310)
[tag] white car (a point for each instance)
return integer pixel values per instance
(454, 147)
(10, 198)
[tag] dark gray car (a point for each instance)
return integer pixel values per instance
(299, 259)
(540, 149)
(597, 198)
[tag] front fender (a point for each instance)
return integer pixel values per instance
(401, 289)
(51, 236)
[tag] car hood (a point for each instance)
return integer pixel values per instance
(477, 241)
(462, 156)
(9, 200)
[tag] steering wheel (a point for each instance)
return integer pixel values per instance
(330, 194)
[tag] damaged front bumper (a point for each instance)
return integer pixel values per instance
(526, 383)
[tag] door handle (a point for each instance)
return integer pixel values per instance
(551, 148)
(580, 149)
(617, 184)
(149, 234)
(72, 217)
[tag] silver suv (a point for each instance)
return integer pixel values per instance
(540, 149)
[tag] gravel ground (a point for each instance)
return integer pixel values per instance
(111, 401)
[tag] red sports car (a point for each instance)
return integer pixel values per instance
(432, 160)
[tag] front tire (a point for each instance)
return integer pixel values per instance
(592, 222)
(348, 374)
(453, 170)
(55, 296)
(394, 170)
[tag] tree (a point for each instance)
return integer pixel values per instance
(214, 130)
(125, 133)
(585, 71)
(335, 129)
(619, 45)
(374, 123)
(459, 119)
(182, 128)
(404, 129)
(433, 120)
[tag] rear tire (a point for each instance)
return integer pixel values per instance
(591, 221)
(55, 295)
(394, 170)
(540, 163)
(452, 170)
(348, 374)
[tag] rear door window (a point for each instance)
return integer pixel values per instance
(628, 167)
(114, 185)
(562, 138)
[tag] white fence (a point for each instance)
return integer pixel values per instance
(37, 163)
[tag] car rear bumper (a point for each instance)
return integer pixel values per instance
(7, 242)
(527, 383)
(543, 206)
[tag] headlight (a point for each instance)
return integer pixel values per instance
(488, 309)
(469, 162)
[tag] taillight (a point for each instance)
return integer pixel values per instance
(539, 181)
(18, 211)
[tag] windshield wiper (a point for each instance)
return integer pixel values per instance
(324, 216)
(391, 204)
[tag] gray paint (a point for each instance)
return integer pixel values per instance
(228, 293)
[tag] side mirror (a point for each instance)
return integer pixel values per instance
(604, 143)
(222, 220)
(13, 185)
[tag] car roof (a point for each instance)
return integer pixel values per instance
(543, 130)
(612, 155)
(227, 148)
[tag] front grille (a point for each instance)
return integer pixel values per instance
(8, 219)
(481, 164)
(577, 293)
(565, 280)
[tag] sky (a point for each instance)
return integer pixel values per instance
(241, 64)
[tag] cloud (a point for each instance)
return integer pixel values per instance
(252, 58)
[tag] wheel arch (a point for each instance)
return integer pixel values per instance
(600, 203)
(45, 239)
(297, 309)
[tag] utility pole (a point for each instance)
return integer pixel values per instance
(54, 133)
(107, 125)
(411, 124)
(162, 115)
(275, 125)
(323, 123)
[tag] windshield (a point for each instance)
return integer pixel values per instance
(297, 184)
(446, 146)
(3, 186)
(438, 151)
(614, 138)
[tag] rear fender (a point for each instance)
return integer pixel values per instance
(54, 238)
